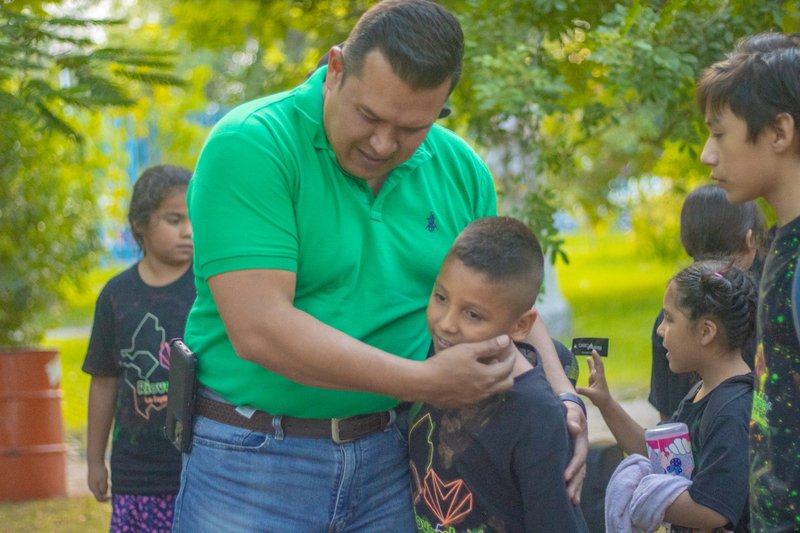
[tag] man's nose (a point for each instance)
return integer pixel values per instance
(383, 142)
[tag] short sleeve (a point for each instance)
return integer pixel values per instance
(99, 359)
(241, 204)
(539, 462)
(721, 480)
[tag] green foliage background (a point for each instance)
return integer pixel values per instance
(569, 100)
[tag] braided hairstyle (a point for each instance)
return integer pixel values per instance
(722, 292)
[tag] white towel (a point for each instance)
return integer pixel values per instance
(636, 499)
(620, 490)
(651, 498)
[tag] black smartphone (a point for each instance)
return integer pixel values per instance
(585, 345)
(181, 395)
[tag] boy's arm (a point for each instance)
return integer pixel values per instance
(628, 433)
(537, 465)
(576, 419)
(102, 396)
(686, 512)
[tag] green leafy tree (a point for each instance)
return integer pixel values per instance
(53, 80)
(600, 93)
(568, 99)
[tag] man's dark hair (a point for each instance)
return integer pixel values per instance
(712, 227)
(153, 185)
(506, 251)
(421, 40)
(759, 80)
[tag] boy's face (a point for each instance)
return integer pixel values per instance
(744, 170)
(466, 307)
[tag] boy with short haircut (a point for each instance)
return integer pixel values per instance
(751, 102)
(499, 464)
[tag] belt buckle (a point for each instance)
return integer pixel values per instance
(335, 432)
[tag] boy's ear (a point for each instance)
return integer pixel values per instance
(708, 331)
(785, 133)
(523, 325)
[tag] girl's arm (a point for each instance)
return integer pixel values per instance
(102, 396)
(628, 433)
(686, 512)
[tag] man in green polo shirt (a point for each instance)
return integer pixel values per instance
(321, 216)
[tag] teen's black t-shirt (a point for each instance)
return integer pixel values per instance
(133, 324)
(775, 420)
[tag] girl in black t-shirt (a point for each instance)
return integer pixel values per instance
(709, 318)
(137, 313)
(711, 228)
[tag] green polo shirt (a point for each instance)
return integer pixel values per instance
(268, 193)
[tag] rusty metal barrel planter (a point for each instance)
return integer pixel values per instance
(32, 448)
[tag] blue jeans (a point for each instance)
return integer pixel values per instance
(240, 480)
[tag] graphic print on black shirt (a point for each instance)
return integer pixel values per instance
(775, 420)
(495, 466)
(141, 367)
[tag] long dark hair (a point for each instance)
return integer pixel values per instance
(153, 185)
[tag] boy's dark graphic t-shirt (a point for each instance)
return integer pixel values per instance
(775, 420)
(497, 466)
(133, 324)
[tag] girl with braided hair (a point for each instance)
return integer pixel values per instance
(709, 318)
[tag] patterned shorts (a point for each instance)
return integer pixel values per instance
(133, 513)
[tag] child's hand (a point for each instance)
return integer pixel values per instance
(98, 481)
(597, 391)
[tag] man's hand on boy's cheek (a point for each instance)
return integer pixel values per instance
(576, 469)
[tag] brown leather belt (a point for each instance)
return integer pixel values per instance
(339, 430)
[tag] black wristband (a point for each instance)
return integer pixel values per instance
(574, 398)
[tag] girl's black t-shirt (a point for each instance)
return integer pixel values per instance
(133, 324)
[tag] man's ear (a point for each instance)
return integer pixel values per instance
(335, 68)
(523, 325)
(708, 331)
(784, 132)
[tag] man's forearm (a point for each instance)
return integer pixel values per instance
(344, 363)
(266, 328)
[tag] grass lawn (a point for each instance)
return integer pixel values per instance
(615, 292)
(62, 515)
(74, 382)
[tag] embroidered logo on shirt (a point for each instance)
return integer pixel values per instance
(431, 223)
